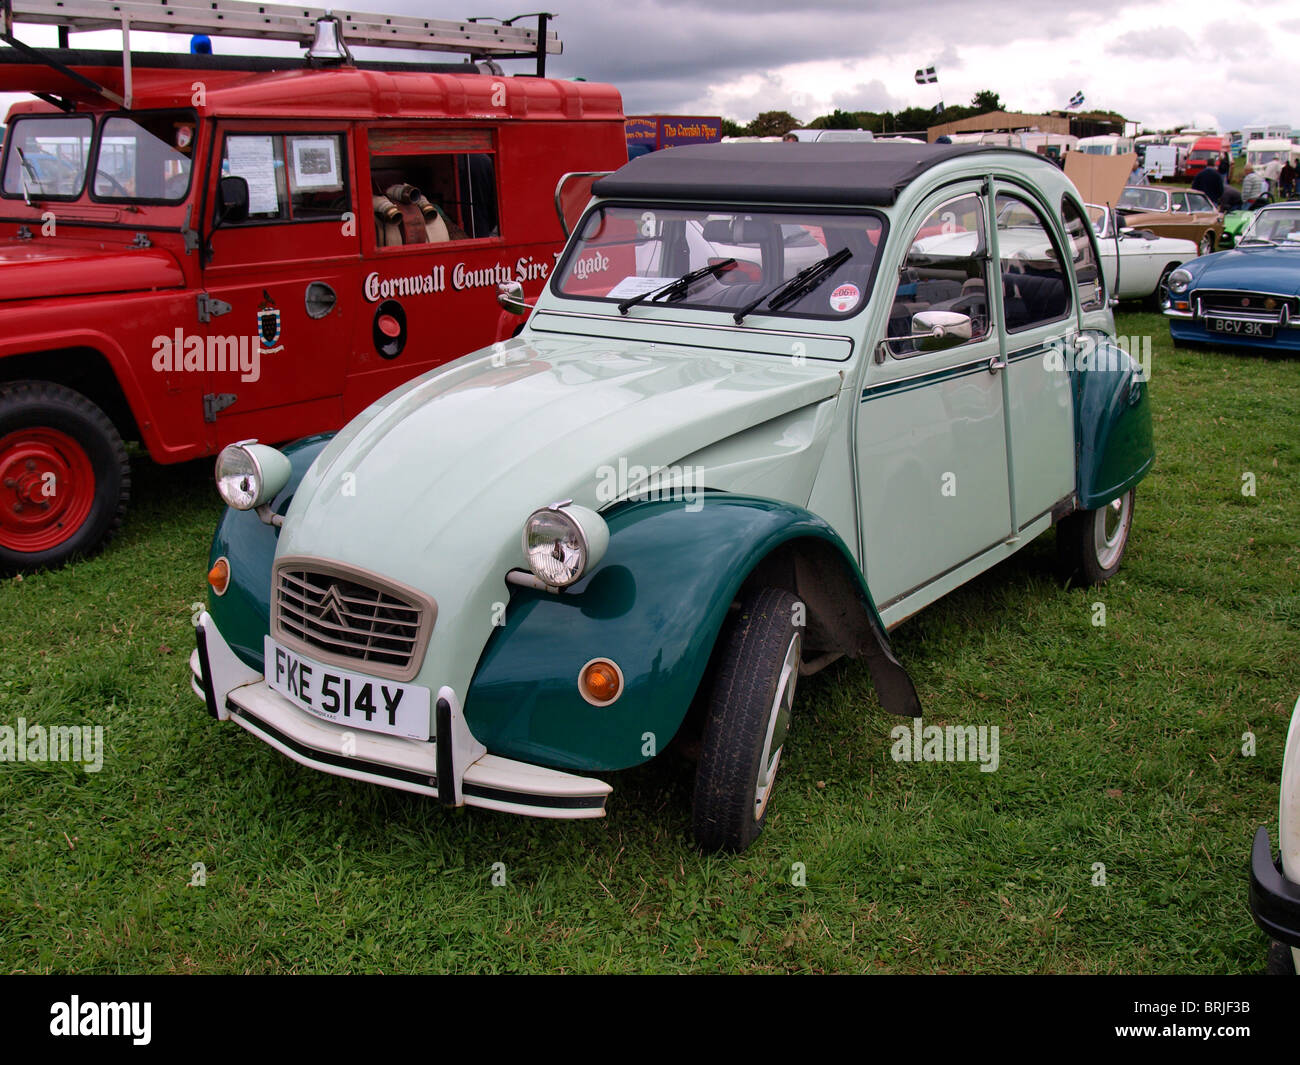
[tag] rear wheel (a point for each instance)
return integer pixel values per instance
(64, 476)
(748, 721)
(1090, 543)
(1206, 245)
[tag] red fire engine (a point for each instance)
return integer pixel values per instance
(197, 249)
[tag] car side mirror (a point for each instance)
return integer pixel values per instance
(940, 330)
(510, 295)
(232, 200)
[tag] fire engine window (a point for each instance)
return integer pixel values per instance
(292, 177)
(144, 158)
(45, 157)
(428, 198)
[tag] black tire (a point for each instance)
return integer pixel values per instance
(1280, 962)
(102, 491)
(728, 814)
(1090, 544)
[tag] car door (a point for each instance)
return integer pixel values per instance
(281, 278)
(1041, 344)
(931, 433)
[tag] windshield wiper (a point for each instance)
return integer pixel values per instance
(26, 168)
(802, 283)
(677, 287)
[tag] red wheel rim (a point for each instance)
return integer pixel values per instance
(47, 489)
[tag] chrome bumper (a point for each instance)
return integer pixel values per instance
(454, 768)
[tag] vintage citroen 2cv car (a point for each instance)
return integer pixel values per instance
(757, 418)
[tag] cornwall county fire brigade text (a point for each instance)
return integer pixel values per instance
(525, 268)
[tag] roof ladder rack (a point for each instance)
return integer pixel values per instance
(325, 33)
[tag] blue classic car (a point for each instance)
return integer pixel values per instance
(1249, 296)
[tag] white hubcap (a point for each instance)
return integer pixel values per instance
(778, 726)
(1110, 530)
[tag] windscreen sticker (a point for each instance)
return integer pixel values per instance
(845, 298)
(635, 285)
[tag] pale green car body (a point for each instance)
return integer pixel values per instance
(923, 471)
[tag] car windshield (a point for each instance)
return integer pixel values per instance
(1144, 199)
(623, 251)
(138, 158)
(45, 156)
(1278, 225)
(144, 158)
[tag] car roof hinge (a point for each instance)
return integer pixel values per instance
(215, 402)
(210, 307)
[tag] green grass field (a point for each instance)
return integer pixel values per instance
(1119, 744)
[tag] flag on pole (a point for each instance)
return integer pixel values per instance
(1076, 101)
(926, 76)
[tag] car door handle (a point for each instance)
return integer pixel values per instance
(996, 364)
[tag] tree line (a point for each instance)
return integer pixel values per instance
(907, 120)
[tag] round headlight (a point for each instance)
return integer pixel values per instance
(1179, 280)
(563, 541)
(249, 474)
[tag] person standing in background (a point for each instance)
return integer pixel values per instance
(1286, 179)
(1225, 166)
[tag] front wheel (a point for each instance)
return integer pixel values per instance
(748, 721)
(1206, 246)
(64, 476)
(1090, 543)
(1161, 293)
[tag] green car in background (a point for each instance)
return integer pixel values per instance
(757, 418)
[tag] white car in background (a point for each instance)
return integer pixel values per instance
(1144, 260)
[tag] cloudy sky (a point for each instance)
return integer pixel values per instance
(1159, 62)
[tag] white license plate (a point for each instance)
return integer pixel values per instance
(345, 698)
(1235, 327)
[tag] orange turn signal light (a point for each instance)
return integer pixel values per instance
(219, 576)
(600, 682)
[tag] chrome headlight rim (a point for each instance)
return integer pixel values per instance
(588, 531)
(240, 447)
(1180, 281)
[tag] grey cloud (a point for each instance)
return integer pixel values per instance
(1165, 42)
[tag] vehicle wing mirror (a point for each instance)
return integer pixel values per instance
(718, 231)
(939, 330)
(511, 297)
(232, 200)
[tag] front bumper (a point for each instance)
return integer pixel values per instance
(1189, 319)
(453, 768)
(1274, 900)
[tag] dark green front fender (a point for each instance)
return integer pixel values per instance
(243, 614)
(1112, 423)
(655, 606)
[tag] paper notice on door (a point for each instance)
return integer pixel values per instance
(253, 159)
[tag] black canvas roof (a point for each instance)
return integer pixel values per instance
(856, 172)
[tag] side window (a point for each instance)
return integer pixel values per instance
(292, 177)
(1178, 201)
(1035, 286)
(428, 187)
(1092, 289)
(946, 269)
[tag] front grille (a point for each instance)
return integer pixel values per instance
(1248, 306)
(350, 617)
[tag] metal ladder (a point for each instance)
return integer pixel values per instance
(476, 37)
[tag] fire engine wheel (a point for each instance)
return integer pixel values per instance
(64, 476)
(748, 721)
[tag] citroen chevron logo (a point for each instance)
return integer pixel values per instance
(331, 608)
